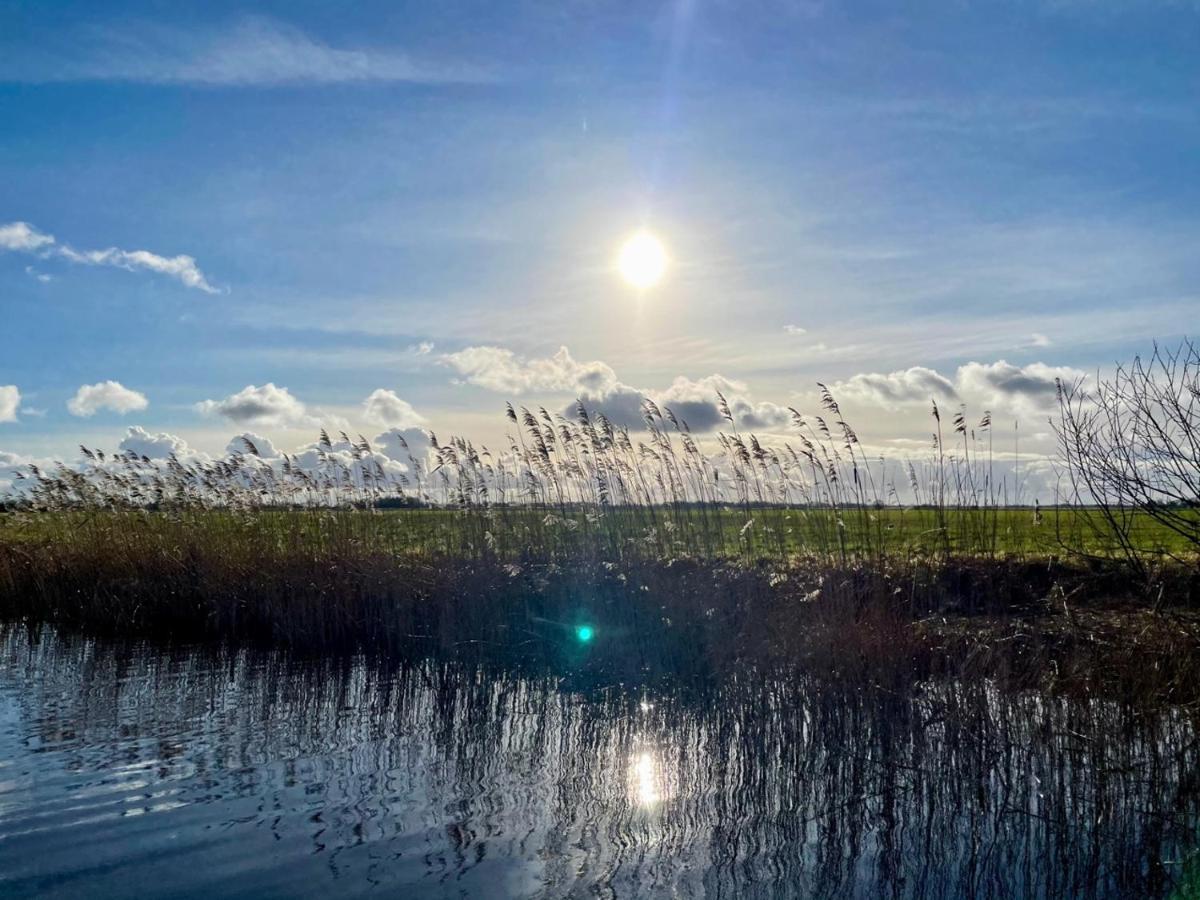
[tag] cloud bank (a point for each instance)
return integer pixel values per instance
(1029, 389)
(597, 386)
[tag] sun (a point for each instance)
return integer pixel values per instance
(642, 261)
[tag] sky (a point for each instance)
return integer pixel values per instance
(217, 219)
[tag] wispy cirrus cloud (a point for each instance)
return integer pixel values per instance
(255, 51)
(21, 237)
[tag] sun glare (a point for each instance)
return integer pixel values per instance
(642, 261)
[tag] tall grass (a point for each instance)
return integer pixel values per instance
(803, 550)
(569, 490)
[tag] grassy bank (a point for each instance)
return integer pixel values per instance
(434, 582)
(679, 559)
(749, 533)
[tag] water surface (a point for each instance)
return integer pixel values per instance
(135, 771)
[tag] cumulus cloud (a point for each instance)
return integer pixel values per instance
(25, 238)
(153, 446)
(256, 51)
(1034, 386)
(400, 443)
(342, 459)
(385, 408)
(693, 401)
(266, 449)
(1030, 388)
(915, 385)
(696, 403)
(503, 371)
(10, 402)
(795, 329)
(111, 395)
(597, 386)
(10, 465)
(267, 405)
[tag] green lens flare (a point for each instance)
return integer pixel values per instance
(585, 633)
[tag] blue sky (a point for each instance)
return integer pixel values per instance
(958, 200)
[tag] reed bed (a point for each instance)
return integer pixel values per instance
(586, 489)
(682, 559)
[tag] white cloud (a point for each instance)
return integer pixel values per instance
(422, 349)
(1025, 389)
(10, 465)
(501, 370)
(795, 329)
(1029, 388)
(915, 385)
(361, 465)
(182, 268)
(384, 407)
(256, 52)
(1037, 339)
(23, 237)
(694, 402)
(400, 443)
(10, 402)
(597, 385)
(267, 406)
(266, 449)
(112, 395)
(153, 446)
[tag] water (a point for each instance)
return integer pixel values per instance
(134, 772)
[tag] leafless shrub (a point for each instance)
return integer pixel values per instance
(1130, 446)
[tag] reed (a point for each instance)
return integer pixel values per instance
(682, 559)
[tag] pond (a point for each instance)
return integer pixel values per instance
(135, 771)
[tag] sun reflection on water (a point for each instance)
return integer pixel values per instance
(646, 783)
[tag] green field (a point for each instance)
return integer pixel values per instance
(663, 532)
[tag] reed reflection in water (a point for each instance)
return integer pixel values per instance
(127, 771)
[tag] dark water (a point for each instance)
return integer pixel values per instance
(138, 773)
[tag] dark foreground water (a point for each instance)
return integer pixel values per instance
(132, 772)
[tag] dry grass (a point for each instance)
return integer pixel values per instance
(684, 562)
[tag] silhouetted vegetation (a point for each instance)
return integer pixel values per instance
(684, 560)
